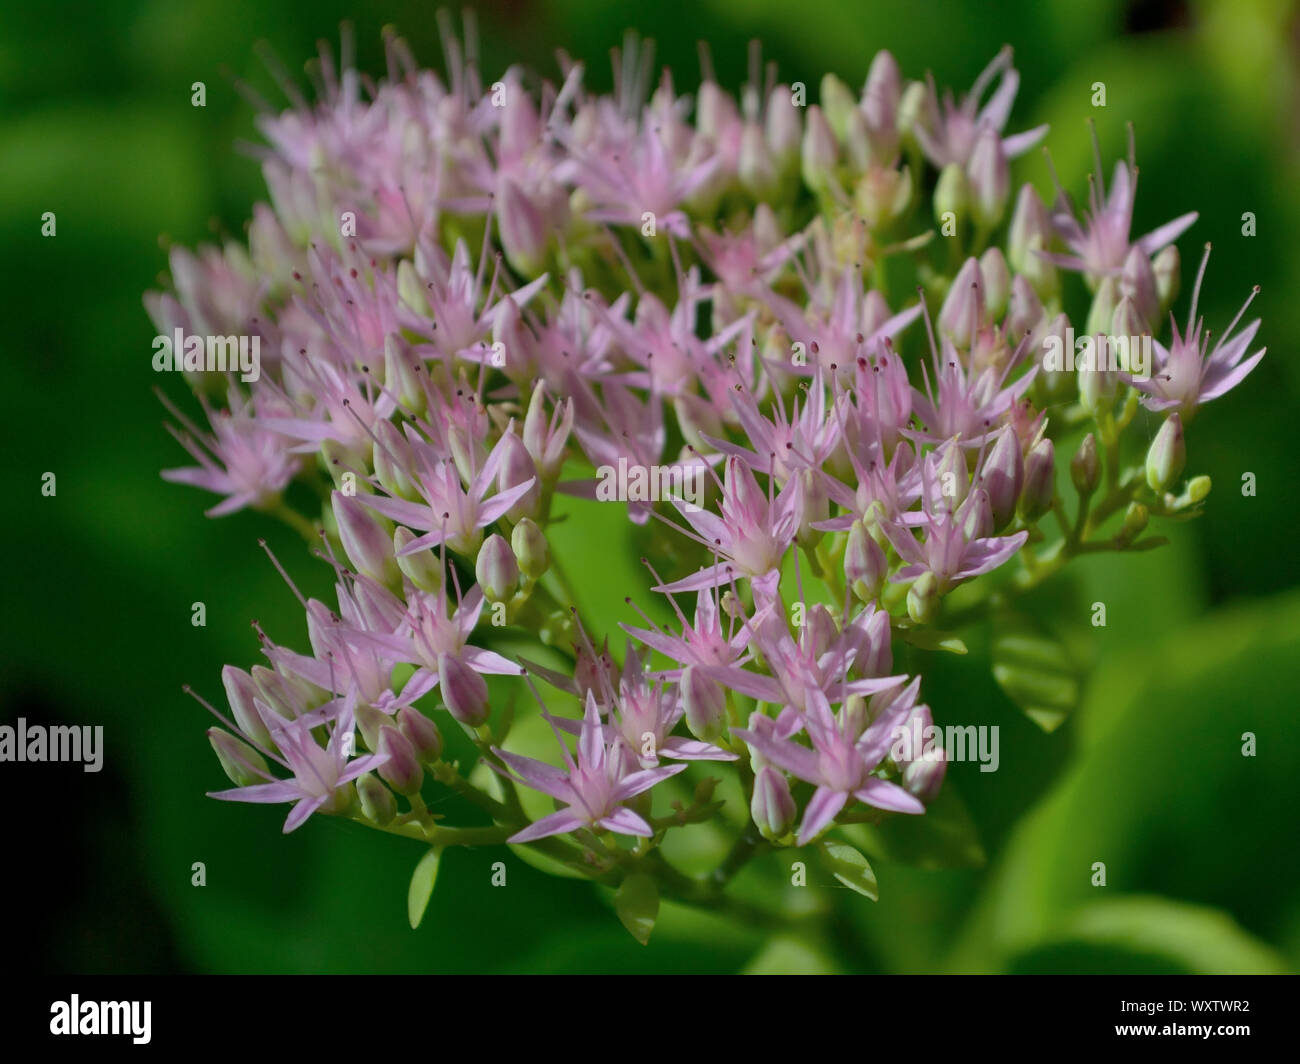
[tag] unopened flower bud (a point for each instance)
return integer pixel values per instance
(410, 289)
(784, 129)
(952, 193)
(240, 692)
(865, 564)
(289, 697)
(401, 376)
(755, 166)
(1040, 481)
(883, 194)
(819, 152)
(952, 478)
(392, 457)
(857, 141)
(1025, 313)
(821, 629)
(997, 282)
(1103, 306)
(1085, 467)
(421, 733)
(837, 103)
(990, 178)
(923, 598)
(367, 539)
(1098, 387)
(1028, 224)
(496, 569)
(1056, 345)
(523, 229)
(816, 507)
(377, 801)
(1168, 274)
(464, 691)
(530, 549)
(421, 567)
(240, 762)
(1198, 490)
(976, 516)
(772, 805)
(1003, 476)
(1135, 520)
(1126, 326)
(880, 100)
(402, 770)
(517, 468)
(705, 702)
(924, 776)
(1167, 455)
(912, 111)
(963, 309)
(873, 646)
(1138, 283)
(370, 722)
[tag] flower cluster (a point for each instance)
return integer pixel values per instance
(833, 318)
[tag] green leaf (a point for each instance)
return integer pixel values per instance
(421, 888)
(637, 905)
(1034, 668)
(851, 869)
(1140, 933)
(931, 639)
(788, 955)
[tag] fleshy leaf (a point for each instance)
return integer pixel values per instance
(1034, 668)
(931, 639)
(852, 869)
(421, 888)
(637, 905)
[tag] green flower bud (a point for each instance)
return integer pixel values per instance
(422, 568)
(241, 691)
(1135, 520)
(1103, 306)
(819, 153)
(912, 111)
(1198, 489)
(1029, 223)
(923, 598)
(377, 801)
(838, 104)
(1085, 467)
(401, 375)
(390, 452)
(997, 282)
(370, 721)
(1167, 456)
(1098, 388)
(240, 762)
(529, 545)
(952, 193)
(1168, 271)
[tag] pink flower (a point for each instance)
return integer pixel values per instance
(593, 788)
(1189, 372)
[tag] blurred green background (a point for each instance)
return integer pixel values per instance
(1202, 644)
